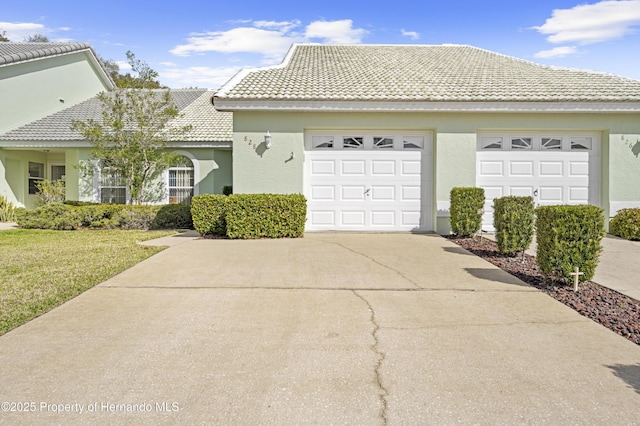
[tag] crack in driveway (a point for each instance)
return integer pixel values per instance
(374, 261)
(384, 393)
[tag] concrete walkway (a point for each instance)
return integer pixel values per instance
(330, 329)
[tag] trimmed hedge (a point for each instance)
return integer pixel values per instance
(266, 215)
(466, 207)
(56, 216)
(208, 212)
(173, 216)
(569, 236)
(626, 224)
(513, 219)
(248, 216)
(105, 216)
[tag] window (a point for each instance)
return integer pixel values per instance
(382, 143)
(36, 174)
(112, 187)
(181, 182)
(490, 143)
(350, 143)
(322, 142)
(412, 142)
(582, 144)
(551, 144)
(521, 143)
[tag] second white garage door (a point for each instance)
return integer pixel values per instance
(368, 182)
(552, 168)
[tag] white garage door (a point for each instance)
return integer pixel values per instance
(554, 169)
(368, 182)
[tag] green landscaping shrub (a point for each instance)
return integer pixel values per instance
(50, 191)
(208, 212)
(266, 215)
(513, 219)
(626, 224)
(7, 210)
(136, 217)
(466, 210)
(173, 216)
(101, 216)
(227, 190)
(50, 216)
(569, 236)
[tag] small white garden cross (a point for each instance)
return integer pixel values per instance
(576, 278)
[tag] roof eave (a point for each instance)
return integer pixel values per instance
(234, 105)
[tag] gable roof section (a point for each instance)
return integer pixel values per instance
(421, 77)
(194, 105)
(12, 53)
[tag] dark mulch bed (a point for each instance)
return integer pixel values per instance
(617, 312)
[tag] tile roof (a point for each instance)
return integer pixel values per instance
(421, 73)
(195, 105)
(11, 52)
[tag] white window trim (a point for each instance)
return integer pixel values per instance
(97, 188)
(367, 136)
(537, 141)
(196, 176)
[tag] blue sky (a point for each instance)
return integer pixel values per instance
(204, 43)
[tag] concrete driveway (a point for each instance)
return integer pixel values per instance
(359, 329)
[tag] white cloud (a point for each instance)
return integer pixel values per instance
(557, 52)
(168, 64)
(20, 31)
(411, 34)
(207, 77)
(335, 31)
(270, 43)
(592, 23)
(271, 39)
(123, 65)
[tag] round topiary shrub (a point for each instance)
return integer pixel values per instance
(626, 224)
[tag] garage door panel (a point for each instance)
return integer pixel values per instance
(551, 194)
(383, 168)
(350, 218)
(353, 193)
(521, 168)
(323, 168)
(578, 194)
(323, 193)
(410, 218)
(521, 191)
(353, 167)
(411, 168)
(410, 193)
(491, 168)
(383, 193)
(385, 218)
(322, 218)
(551, 169)
(578, 168)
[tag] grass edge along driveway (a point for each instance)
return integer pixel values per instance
(40, 270)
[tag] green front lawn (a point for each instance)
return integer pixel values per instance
(40, 270)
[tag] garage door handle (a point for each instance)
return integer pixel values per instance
(535, 193)
(367, 191)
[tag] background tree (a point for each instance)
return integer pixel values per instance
(37, 38)
(131, 140)
(3, 36)
(146, 77)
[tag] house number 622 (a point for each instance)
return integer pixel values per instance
(249, 142)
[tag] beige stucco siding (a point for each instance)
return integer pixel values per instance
(257, 169)
(33, 89)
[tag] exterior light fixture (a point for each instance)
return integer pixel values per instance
(267, 140)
